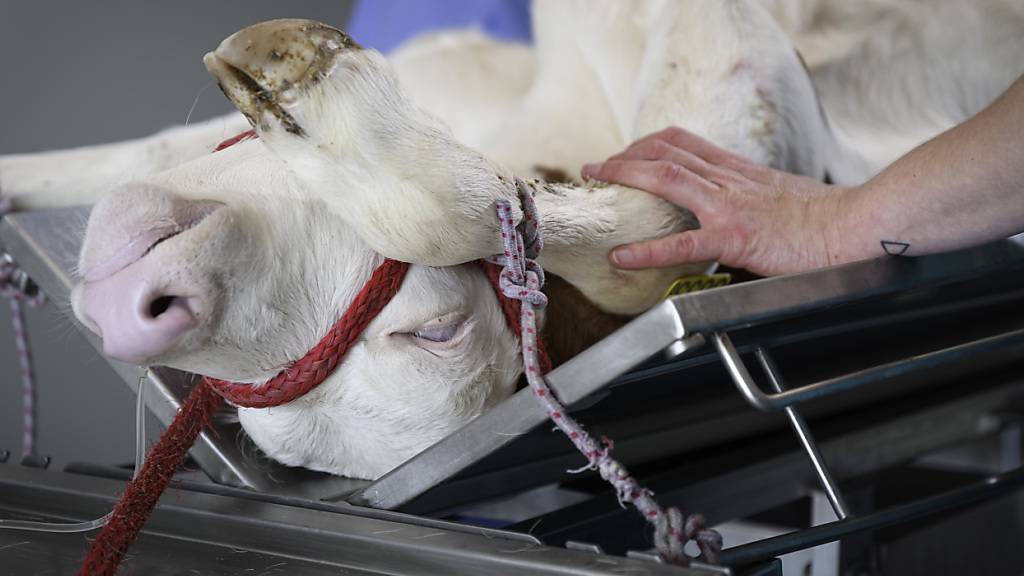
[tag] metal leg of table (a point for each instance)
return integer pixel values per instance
(803, 434)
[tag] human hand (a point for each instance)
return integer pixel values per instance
(752, 217)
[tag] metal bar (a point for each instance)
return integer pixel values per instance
(770, 402)
(772, 299)
(216, 533)
(803, 434)
(946, 502)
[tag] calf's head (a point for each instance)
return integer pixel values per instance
(234, 265)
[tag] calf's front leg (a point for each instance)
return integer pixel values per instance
(335, 115)
(82, 175)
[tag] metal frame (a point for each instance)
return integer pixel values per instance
(952, 501)
(752, 477)
(846, 524)
(933, 272)
(803, 434)
(787, 399)
(784, 399)
(239, 531)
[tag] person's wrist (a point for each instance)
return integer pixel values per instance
(845, 225)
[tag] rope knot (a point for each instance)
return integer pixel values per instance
(16, 285)
(14, 282)
(672, 531)
(521, 276)
(708, 541)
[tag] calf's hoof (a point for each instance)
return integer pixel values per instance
(265, 68)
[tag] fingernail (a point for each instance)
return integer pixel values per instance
(623, 256)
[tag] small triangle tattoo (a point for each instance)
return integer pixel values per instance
(895, 248)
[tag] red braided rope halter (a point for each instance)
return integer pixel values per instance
(143, 491)
(309, 371)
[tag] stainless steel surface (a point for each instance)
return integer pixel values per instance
(192, 532)
(584, 546)
(773, 299)
(803, 434)
(45, 244)
(769, 402)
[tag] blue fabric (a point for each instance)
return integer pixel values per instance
(383, 24)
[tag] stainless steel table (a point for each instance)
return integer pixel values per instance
(885, 360)
(235, 532)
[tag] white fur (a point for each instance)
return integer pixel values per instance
(306, 219)
(83, 175)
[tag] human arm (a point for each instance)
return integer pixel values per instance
(961, 188)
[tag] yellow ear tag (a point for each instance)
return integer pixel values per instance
(688, 284)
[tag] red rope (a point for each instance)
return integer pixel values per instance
(142, 492)
(309, 371)
(248, 134)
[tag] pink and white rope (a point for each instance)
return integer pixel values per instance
(13, 287)
(521, 278)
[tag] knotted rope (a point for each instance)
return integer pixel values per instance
(521, 279)
(16, 287)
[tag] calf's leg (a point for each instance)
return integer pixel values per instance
(335, 114)
(82, 175)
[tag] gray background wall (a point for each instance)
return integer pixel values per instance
(84, 72)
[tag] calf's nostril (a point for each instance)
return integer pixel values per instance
(138, 323)
(160, 305)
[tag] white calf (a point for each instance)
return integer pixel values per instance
(233, 264)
